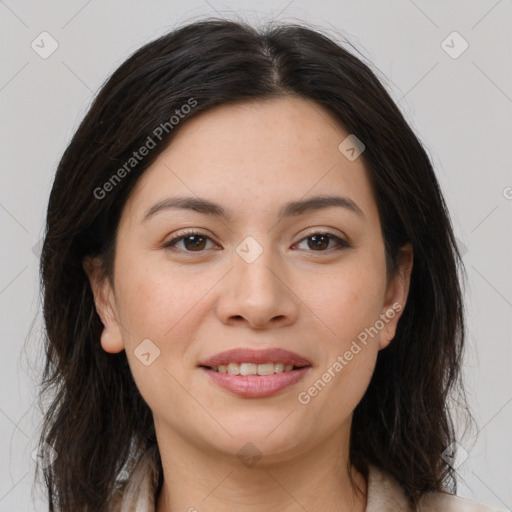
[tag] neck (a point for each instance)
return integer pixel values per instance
(196, 480)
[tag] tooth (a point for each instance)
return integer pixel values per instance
(279, 368)
(266, 369)
(248, 369)
(252, 368)
(233, 369)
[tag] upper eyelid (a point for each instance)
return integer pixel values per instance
(311, 232)
(327, 231)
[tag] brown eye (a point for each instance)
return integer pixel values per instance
(192, 242)
(319, 242)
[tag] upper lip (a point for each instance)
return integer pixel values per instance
(261, 356)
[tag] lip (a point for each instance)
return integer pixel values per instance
(247, 355)
(256, 386)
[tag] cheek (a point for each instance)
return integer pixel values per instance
(155, 299)
(348, 299)
(345, 380)
(349, 306)
(162, 304)
(161, 308)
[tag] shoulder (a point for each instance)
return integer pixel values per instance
(385, 494)
(441, 501)
(137, 493)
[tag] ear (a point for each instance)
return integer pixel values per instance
(396, 295)
(104, 300)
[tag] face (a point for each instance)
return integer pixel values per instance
(190, 283)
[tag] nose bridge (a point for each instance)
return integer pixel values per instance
(254, 265)
(255, 289)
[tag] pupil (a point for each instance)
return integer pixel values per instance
(196, 245)
(321, 245)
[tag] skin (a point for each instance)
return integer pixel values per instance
(252, 158)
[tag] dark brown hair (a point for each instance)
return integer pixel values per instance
(402, 424)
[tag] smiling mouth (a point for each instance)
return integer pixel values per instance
(245, 369)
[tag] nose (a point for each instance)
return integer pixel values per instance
(256, 293)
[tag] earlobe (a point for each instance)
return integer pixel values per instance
(111, 344)
(111, 338)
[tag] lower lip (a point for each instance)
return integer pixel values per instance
(256, 386)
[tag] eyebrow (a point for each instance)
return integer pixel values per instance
(291, 209)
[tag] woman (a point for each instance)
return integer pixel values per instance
(250, 288)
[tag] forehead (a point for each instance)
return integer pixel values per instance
(250, 156)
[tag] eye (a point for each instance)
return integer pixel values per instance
(321, 240)
(193, 241)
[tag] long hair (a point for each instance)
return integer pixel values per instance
(403, 423)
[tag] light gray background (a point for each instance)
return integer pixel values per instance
(460, 107)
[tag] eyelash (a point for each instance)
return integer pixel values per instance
(342, 244)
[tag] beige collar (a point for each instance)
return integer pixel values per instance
(384, 493)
